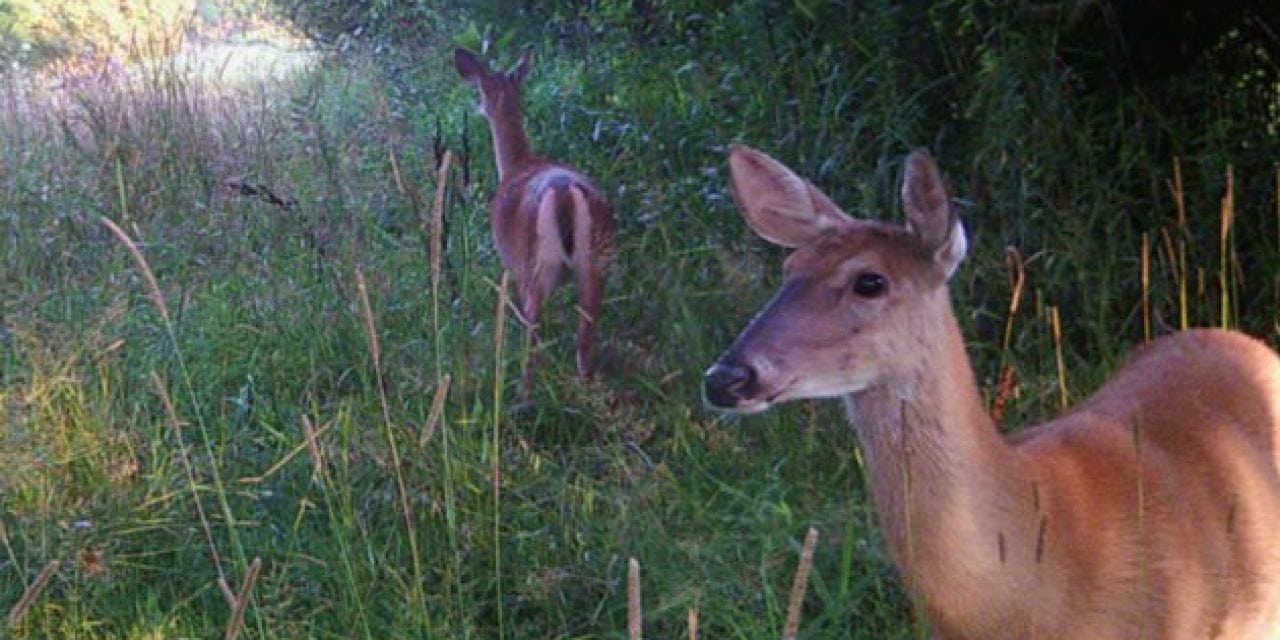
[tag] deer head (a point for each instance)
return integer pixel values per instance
(857, 297)
(499, 92)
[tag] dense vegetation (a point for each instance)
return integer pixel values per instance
(252, 373)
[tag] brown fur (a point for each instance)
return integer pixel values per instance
(548, 219)
(1150, 510)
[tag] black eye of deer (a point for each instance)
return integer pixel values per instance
(870, 284)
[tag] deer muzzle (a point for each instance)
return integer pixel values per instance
(727, 385)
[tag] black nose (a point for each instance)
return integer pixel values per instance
(724, 384)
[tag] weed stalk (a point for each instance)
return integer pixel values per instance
(19, 610)
(1227, 220)
(376, 354)
(798, 586)
(499, 347)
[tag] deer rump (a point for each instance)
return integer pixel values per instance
(543, 224)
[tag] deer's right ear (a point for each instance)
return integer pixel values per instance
(469, 67)
(780, 206)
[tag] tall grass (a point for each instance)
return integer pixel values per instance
(294, 344)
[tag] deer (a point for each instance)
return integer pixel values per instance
(548, 219)
(1151, 509)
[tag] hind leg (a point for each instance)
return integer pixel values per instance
(590, 303)
(530, 308)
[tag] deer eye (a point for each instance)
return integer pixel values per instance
(870, 284)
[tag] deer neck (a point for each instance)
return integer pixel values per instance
(511, 147)
(945, 484)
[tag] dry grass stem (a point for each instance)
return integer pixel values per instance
(634, 613)
(8, 546)
(176, 425)
(1018, 277)
(366, 313)
(1228, 206)
(242, 600)
(692, 622)
(1180, 256)
(375, 351)
(1146, 286)
(313, 447)
(1167, 250)
(437, 408)
(437, 219)
(293, 453)
(227, 593)
(1007, 388)
(405, 187)
(29, 596)
(500, 319)
(800, 585)
(1224, 247)
(1179, 195)
(499, 342)
(1055, 325)
(153, 287)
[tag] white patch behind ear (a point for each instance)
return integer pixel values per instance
(929, 213)
(953, 250)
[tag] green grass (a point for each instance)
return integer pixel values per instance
(387, 532)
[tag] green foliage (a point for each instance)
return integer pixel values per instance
(255, 208)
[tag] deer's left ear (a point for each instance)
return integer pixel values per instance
(469, 67)
(929, 213)
(523, 67)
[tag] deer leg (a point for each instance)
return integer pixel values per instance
(530, 308)
(590, 302)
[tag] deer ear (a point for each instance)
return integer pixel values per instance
(469, 67)
(523, 67)
(929, 214)
(780, 206)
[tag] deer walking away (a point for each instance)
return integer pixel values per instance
(548, 220)
(1150, 510)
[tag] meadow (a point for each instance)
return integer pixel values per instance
(258, 328)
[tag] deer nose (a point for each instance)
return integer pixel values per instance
(723, 384)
